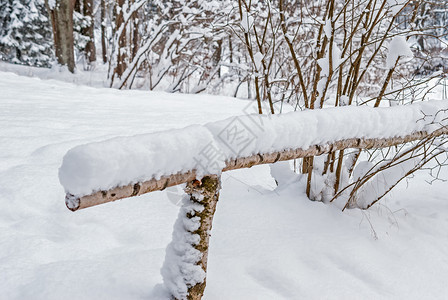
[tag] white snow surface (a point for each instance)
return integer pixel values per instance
(51, 4)
(127, 160)
(267, 242)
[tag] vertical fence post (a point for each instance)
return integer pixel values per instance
(185, 267)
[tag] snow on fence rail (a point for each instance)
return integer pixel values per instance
(123, 167)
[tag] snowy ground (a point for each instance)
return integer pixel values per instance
(267, 242)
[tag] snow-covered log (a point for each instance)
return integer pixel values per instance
(75, 203)
(102, 172)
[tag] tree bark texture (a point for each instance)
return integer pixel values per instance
(90, 50)
(62, 22)
(206, 193)
(103, 31)
(122, 44)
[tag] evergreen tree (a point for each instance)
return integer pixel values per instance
(25, 32)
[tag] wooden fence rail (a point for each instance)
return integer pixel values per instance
(203, 195)
(74, 203)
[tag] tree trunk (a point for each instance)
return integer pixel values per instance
(62, 22)
(121, 57)
(135, 35)
(185, 268)
(208, 188)
(90, 50)
(103, 30)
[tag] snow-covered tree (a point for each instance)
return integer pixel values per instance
(84, 26)
(336, 53)
(432, 20)
(25, 32)
(176, 43)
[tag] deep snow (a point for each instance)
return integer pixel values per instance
(267, 242)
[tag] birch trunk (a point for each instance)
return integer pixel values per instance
(185, 268)
(208, 189)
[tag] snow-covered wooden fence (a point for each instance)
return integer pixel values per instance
(123, 167)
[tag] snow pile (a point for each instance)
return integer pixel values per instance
(180, 269)
(398, 47)
(384, 181)
(125, 160)
(282, 173)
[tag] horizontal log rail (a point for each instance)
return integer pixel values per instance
(75, 203)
